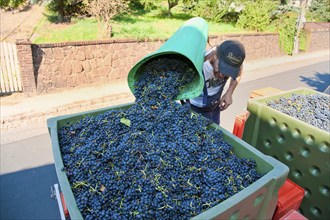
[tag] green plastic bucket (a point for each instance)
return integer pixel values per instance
(187, 44)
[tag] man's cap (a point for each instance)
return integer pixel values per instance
(231, 55)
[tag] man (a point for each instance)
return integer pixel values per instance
(220, 63)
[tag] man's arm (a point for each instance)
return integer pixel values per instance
(227, 99)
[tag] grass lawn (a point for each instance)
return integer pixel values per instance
(135, 25)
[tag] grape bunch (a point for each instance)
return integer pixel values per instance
(154, 160)
(313, 109)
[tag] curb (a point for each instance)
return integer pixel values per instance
(23, 119)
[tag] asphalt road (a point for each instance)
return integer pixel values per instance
(29, 165)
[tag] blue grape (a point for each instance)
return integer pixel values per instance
(165, 164)
(313, 109)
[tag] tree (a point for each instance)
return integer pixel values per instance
(66, 9)
(60, 9)
(12, 4)
(211, 9)
(256, 15)
(147, 4)
(151, 3)
(216, 10)
(172, 4)
(104, 11)
(319, 11)
(299, 26)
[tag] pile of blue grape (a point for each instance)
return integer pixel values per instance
(155, 159)
(313, 109)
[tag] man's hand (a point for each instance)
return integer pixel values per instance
(225, 101)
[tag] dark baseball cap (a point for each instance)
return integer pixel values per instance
(231, 54)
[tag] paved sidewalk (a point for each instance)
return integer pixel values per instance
(261, 68)
(18, 112)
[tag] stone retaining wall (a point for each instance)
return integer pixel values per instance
(79, 64)
(318, 35)
(256, 45)
(61, 66)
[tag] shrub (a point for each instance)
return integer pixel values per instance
(104, 12)
(4, 4)
(284, 17)
(148, 4)
(286, 26)
(319, 11)
(304, 40)
(216, 10)
(256, 15)
(66, 9)
(209, 10)
(283, 9)
(12, 4)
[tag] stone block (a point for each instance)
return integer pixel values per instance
(82, 79)
(89, 54)
(94, 64)
(59, 82)
(58, 54)
(86, 66)
(66, 69)
(81, 55)
(71, 81)
(77, 67)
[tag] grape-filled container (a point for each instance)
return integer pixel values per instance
(187, 44)
(304, 148)
(257, 201)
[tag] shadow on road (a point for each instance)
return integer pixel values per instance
(320, 81)
(26, 194)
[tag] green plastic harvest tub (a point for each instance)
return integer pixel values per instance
(188, 45)
(257, 201)
(302, 147)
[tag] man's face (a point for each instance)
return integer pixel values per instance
(216, 70)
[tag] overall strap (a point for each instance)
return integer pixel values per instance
(205, 94)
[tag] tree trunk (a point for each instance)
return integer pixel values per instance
(60, 10)
(300, 22)
(107, 30)
(171, 4)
